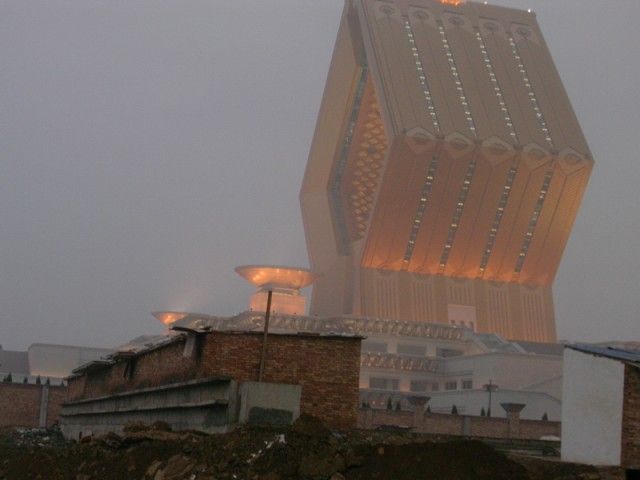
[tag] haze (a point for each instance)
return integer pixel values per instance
(148, 147)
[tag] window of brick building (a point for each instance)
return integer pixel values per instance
(451, 385)
(467, 384)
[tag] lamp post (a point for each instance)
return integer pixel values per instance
(490, 387)
(263, 356)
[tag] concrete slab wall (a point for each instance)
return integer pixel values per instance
(207, 405)
(269, 403)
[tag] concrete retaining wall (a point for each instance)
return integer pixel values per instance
(208, 405)
(211, 405)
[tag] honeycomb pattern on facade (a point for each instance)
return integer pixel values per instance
(363, 171)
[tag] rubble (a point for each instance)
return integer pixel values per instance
(307, 450)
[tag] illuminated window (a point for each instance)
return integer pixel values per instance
(457, 214)
(531, 93)
(496, 86)
(422, 206)
(502, 203)
(528, 236)
(457, 81)
(422, 77)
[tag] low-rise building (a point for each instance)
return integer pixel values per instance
(203, 378)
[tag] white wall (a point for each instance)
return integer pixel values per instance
(593, 390)
(510, 371)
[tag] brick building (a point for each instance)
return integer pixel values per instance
(601, 406)
(325, 366)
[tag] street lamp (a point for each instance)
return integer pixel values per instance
(490, 387)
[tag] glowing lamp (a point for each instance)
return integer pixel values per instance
(284, 282)
(169, 317)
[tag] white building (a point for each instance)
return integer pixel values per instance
(47, 360)
(601, 406)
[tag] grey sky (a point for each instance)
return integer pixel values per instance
(147, 147)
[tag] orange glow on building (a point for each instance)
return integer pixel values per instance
(284, 282)
(446, 170)
(169, 317)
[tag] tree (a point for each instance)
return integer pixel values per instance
(25, 379)
(48, 382)
(428, 408)
(389, 404)
(454, 410)
(483, 413)
(8, 378)
(38, 380)
(545, 417)
(398, 408)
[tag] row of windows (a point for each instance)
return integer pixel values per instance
(418, 386)
(410, 349)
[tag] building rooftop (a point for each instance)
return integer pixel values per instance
(631, 357)
(253, 321)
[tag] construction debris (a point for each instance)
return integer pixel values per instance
(307, 450)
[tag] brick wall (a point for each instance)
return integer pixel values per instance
(444, 424)
(57, 396)
(327, 368)
(20, 404)
(162, 365)
(631, 418)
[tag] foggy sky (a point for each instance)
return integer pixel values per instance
(147, 147)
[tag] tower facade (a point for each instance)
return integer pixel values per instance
(446, 169)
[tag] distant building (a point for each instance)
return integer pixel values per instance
(601, 406)
(446, 169)
(47, 360)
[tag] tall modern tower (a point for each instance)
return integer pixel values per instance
(446, 169)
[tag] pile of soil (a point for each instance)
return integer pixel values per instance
(306, 450)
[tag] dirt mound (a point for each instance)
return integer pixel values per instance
(458, 460)
(306, 451)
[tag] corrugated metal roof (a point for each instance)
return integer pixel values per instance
(626, 356)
